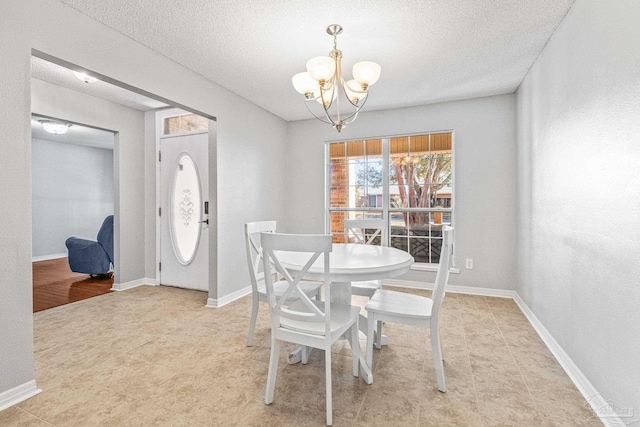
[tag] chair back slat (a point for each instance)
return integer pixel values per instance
(442, 275)
(358, 228)
(303, 309)
(252, 232)
(294, 288)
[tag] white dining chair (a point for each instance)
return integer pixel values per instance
(357, 230)
(306, 322)
(252, 232)
(408, 309)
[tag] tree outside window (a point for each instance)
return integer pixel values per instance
(419, 170)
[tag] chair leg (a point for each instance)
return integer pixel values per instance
(305, 354)
(254, 318)
(273, 371)
(379, 336)
(327, 369)
(355, 349)
(371, 321)
(436, 350)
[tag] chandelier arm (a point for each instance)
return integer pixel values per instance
(306, 104)
(344, 90)
(355, 113)
(355, 104)
(338, 79)
(354, 116)
(326, 108)
(351, 117)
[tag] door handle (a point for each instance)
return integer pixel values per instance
(206, 221)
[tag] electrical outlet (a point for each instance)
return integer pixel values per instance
(469, 263)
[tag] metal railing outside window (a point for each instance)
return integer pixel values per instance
(407, 180)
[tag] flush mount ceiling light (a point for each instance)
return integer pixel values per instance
(57, 128)
(323, 80)
(85, 77)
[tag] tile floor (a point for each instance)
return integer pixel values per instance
(155, 356)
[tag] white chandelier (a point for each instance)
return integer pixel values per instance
(323, 80)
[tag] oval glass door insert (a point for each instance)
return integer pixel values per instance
(186, 199)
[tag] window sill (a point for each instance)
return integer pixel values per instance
(418, 266)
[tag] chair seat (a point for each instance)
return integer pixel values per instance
(365, 288)
(342, 316)
(308, 287)
(408, 309)
(400, 303)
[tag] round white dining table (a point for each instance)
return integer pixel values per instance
(350, 263)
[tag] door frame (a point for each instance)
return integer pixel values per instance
(212, 196)
(150, 131)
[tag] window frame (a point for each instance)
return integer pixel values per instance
(386, 210)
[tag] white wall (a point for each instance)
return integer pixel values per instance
(484, 155)
(72, 193)
(250, 142)
(579, 193)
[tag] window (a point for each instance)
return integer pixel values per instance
(184, 123)
(407, 180)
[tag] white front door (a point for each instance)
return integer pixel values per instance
(184, 244)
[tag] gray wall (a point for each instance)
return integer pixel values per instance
(128, 196)
(579, 193)
(242, 128)
(16, 318)
(72, 193)
(485, 189)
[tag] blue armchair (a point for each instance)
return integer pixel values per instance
(89, 256)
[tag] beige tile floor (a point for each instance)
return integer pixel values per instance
(155, 356)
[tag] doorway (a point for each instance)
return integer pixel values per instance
(114, 105)
(72, 195)
(183, 157)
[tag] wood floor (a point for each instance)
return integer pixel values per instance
(55, 284)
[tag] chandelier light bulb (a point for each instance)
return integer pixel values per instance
(354, 91)
(304, 83)
(321, 68)
(366, 73)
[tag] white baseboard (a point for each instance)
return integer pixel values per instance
(469, 290)
(601, 407)
(217, 303)
(488, 292)
(134, 283)
(48, 257)
(18, 394)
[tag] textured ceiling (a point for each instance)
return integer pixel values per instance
(61, 76)
(77, 135)
(429, 50)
